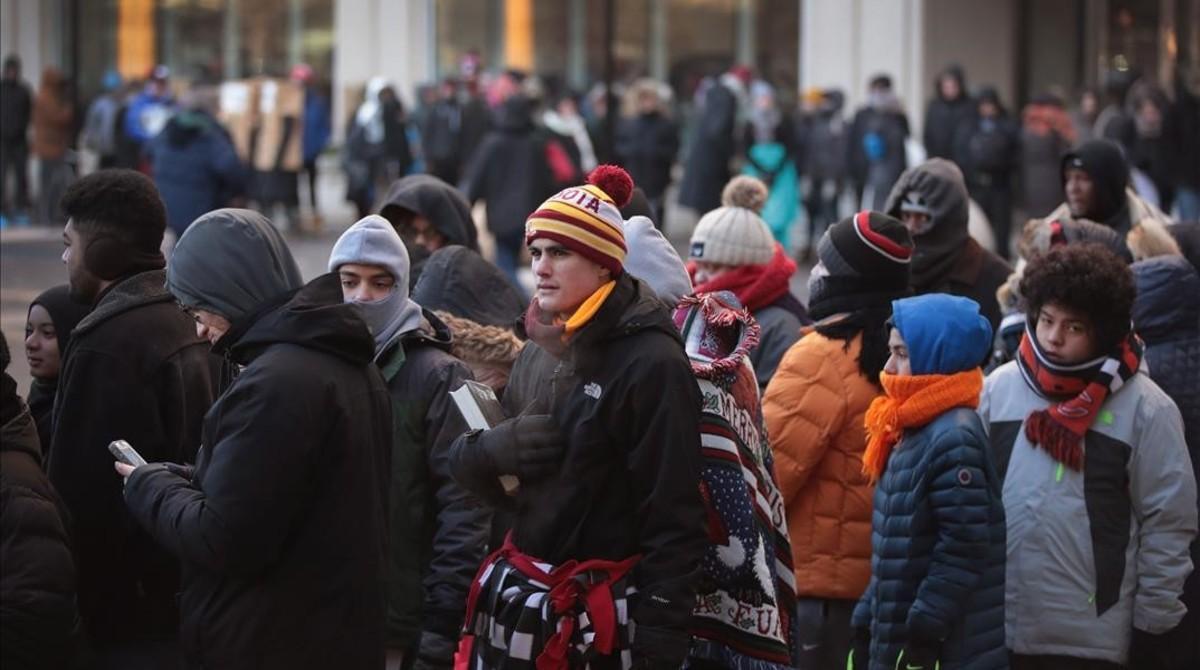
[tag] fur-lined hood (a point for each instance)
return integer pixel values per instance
(478, 344)
(1148, 235)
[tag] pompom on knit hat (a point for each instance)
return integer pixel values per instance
(735, 233)
(587, 219)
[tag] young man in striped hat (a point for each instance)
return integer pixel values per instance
(608, 523)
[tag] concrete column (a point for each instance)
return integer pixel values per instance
(295, 34)
(746, 16)
(577, 44)
(658, 49)
(388, 38)
(232, 40)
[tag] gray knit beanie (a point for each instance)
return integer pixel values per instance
(735, 234)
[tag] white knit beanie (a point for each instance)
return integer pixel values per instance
(735, 234)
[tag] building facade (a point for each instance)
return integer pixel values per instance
(1020, 47)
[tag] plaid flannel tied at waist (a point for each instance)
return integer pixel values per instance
(524, 613)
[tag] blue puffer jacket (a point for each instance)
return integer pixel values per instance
(938, 545)
(1167, 316)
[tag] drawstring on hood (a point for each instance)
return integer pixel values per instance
(373, 241)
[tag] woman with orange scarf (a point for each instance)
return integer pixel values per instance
(936, 596)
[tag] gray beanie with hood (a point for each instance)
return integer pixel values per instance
(231, 262)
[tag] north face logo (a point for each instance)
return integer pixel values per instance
(592, 390)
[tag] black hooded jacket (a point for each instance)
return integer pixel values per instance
(946, 259)
(509, 170)
(1104, 162)
(459, 281)
(440, 203)
(628, 481)
(943, 118)
(282, 528)
(136, 371)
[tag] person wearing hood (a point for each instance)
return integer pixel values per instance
(48, 325)
(733, 249)
(814, 409)
(1099, 489)
(437, 529)
(936, 597)
(1166, 315)
(135, 370)
(40, 620)
(647, 144)
(1095, 183)
(931, 199)
(194, 163)
(459, 281)
(376, 145)
(947, 112)
(608, 472)
(987, 150)
(747, 569)
(770, 156)
(53, 128)
(429, 214)
(281, 526)
(714, 141)
(876, 144)
(511, 174)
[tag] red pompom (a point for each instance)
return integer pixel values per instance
(614, 181)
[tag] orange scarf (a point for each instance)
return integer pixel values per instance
(912, 401)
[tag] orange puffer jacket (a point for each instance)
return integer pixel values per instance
(814, 408)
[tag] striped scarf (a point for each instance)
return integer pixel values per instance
(1081, 390)
(525, 614)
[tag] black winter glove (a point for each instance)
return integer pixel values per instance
(918, 656)
(529, 447)
(860, 650)
(434, 652)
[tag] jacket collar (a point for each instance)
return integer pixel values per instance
(144, 288)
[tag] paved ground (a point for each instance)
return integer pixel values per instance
(30, 261)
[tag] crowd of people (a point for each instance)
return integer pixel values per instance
(942, 460)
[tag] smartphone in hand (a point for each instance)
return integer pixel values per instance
(122, 451)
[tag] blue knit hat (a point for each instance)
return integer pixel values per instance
(944, 333)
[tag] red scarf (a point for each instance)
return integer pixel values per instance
(1082, 390)
(756, 286)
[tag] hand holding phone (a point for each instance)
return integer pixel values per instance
(124, 453)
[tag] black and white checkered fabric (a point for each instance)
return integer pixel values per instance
(514, 618)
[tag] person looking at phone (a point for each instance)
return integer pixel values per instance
(438, 529)
(281, 528)
(134, 370)
(607, 451)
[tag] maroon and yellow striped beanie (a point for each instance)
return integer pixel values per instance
(587, 219)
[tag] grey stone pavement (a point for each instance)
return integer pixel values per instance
(31, 260)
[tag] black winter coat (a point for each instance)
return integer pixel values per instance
(440, 531)
(628, 483)
(938, 549)
(646, 146)
(38, 617)
(944, 120)
(509, 170)
(16, 110)
(136, 371)
(282, 528)
(712, 146)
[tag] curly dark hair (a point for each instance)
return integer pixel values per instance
(123, 204)
(1088, 278)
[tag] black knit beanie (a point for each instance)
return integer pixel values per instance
(866, 258)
